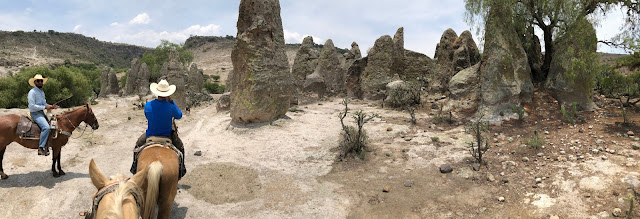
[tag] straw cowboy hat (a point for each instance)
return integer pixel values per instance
(37, 77)
(162, 89)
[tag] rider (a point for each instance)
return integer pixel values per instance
(37, 105)
(160, 114)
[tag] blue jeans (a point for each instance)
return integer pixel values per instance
(41, 120)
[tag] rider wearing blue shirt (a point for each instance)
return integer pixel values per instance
(37, 105)
(160, 114)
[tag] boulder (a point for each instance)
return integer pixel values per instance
(444, 62)
(504, 70)
(314, 83)
(224, 102)
(417, 67)
(465, 89)
(567, 82)
(262, 81)
(104, 83)
(196, 79)
(132, 77)
(114, 84)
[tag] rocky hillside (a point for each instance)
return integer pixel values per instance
(21, 49)
(213, 53)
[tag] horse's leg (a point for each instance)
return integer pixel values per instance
(53, 163)
(2, 175)
(165, 202)
(60, 167)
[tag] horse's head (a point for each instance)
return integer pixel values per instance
(116, 197)
(91, 119)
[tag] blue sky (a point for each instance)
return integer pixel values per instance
(146, 22)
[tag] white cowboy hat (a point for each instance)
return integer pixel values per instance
(37, 77)
(162, 88)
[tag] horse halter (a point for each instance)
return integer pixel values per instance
(109, 189)
(86, 116)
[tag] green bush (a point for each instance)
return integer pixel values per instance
(536, 141)
(213, 87)
(161, 54)
(519, 110)
(62, 83)
(570, 116)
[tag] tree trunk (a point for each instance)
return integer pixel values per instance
(548, 53)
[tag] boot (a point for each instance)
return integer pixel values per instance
(42, 151)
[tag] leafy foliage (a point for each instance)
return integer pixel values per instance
(535, 141)
(570, 116)
(213, 87)
(480, 145)
(79, 81)
(156, 59)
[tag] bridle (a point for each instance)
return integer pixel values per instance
(109, 189)
(86, 116)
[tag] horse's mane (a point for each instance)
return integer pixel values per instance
(73, 110)
(121, 194)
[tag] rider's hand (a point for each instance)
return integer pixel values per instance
(48, 107)
(56, 106)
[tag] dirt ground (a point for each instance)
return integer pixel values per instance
(288, 168)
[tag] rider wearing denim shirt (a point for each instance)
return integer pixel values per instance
(37, 105)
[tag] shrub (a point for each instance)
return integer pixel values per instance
(518, 110)
(62, 82)
(435, 139)
(480, 145)
(443, 116)
(160, 55)
(535, 141)
(354, 139)
(403, 95)
(213, 87)
(570, 115)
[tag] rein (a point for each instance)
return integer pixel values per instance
(109, 189)
(86, 115)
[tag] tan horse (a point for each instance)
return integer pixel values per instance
(120, 197)
(67, 123)
(168, 185)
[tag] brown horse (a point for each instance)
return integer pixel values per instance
(120, 197)
(163, 193)
(67, 122)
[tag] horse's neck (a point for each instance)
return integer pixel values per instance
(71, 119)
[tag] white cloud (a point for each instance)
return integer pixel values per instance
(77, 27)
(27, 11)
(141, 19)
(114, 24)
(295, 37)
(152, 38)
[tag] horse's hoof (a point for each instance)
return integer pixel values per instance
(61, 173)
(4, 176)
(56, 175)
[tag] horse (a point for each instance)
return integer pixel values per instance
(67, 123)
(119, 197)
(165, 191)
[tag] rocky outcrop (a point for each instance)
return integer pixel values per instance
(465, 89)
(315, 83)
(114, 84)
(417, 67)
(465, 52)
(351, 56)
(143, 80)
(224, 102)
(104, 83)
(132, 77)
(567, 82)
(305, 62)
(444, 49)
(177, 75)
(330, 68)
(262, 82)
(353, 81)
(397, 63)
(378, 72)
(196, 79)
(504, 69)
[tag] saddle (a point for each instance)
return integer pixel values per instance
(29, 130)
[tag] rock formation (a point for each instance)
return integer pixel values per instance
(224, 102)
(378, 72)
(504, 70)
(465, 52)
(262, 82)
(104, 83)
(143, 80)
(305, 62)
(196, 79)
(465, 89)
(114, 84)
(353, 80)
(570, 84)
(177, 75)
(132, 77)
(397, 63)
(330, 68)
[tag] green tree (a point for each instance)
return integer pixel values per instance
(552, 17)
(156, 59)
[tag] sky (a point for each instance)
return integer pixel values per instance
(146, 22)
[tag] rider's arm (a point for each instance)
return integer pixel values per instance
(176, 111)
(33, 107)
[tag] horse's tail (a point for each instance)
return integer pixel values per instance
(153, 186)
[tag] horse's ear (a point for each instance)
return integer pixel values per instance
(97, 178)
(140, 176)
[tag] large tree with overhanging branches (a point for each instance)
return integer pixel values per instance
(553, 17)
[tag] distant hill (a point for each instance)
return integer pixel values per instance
(21, 49)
